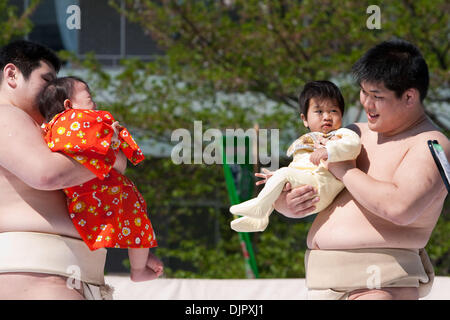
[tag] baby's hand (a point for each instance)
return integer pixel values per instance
(115, 138)
(321, 144)
(266, 175)
(117, 127)
(317, 155)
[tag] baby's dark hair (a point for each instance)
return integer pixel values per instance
(51, 98)
(320, 90)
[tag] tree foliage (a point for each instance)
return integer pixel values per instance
(13, 25)
(274, 47)
(231, 64)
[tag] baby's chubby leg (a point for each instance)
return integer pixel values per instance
(144, 265)
(262, 206)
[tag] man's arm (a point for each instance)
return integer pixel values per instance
(414, 186)
(24, 153)
(121, 162)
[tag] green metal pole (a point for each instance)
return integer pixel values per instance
(246, 245)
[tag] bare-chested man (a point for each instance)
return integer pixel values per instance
(39, 247)
(368, 243)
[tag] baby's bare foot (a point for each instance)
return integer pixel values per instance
(145, 274)
(153, 269)
(155, 264)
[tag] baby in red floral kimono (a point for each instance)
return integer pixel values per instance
(107, 211)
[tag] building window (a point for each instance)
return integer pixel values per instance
(103, 31)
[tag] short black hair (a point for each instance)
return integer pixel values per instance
(26, 56)
(397, 64)
(51, 99)
(320, 90)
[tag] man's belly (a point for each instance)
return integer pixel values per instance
(34, 210)
(350, 226)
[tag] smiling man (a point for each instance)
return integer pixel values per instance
(369, 243)
(40, 248)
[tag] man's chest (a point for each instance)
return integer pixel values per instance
(380, 160)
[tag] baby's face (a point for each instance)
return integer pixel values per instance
(323, 116)
(81, 97)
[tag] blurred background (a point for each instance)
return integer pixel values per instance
(161, 65)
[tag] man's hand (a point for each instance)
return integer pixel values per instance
(338, 169)
(317, 155)
(298, 202)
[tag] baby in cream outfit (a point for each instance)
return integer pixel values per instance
(321, 109)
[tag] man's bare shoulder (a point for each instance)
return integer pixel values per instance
(423, 137)
(359, 127)
(433, 134)
(9, 112)
(8, 108)
(14, 117)
(418, 156)
(425, 131)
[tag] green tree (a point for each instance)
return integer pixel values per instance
(13, 25)
(274, 47)
(232, 64)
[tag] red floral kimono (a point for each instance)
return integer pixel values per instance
(107, 211)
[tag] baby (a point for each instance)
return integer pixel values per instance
(321, 109)
(107, 211)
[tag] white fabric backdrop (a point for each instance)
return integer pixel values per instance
(230, 289)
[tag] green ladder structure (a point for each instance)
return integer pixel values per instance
(240, 183)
